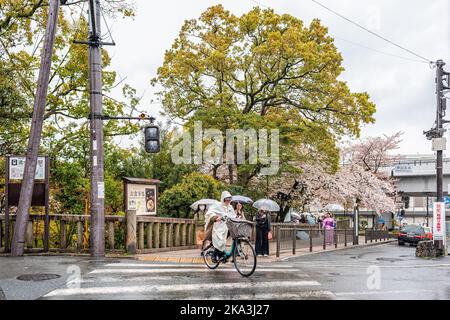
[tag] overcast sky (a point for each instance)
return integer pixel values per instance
(403, 90)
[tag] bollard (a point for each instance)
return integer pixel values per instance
(324, 239)
(310, 241)
(131, 231)
(335, 238)
(278, 241)
(345, 237)
(294, 240)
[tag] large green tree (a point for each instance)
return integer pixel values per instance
(66, 126)
(263, 70)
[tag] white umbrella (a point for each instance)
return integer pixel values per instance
(241, 199)
(206, 202)
(267, 205)
(334, 207)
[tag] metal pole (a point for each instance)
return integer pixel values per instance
(356, 223)
(427, 212)
(35, 133)
(97, 227)
(7, 235)
(439, 117)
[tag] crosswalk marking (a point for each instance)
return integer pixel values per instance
(317, 294)
(179, 287)
(157, 281)
(359, 293)
(159, 265)
(182, 270)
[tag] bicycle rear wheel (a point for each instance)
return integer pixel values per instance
(208, 255)
(244, 257)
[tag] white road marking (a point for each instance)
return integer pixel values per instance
(369, 293)
(160, 265)
(183, 287)
(182, 270)
(321, 265)
(268, 296)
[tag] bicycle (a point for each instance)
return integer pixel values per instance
(241, 250)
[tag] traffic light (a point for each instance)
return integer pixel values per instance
(406, 201)
(152, 141)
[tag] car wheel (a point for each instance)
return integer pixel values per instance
(401, 243)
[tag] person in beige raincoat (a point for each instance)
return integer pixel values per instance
(215, 216)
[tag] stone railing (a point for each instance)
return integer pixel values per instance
(130, 233)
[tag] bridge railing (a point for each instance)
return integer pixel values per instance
(130, 233)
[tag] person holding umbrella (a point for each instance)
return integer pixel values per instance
(200, 208)
(239, 207)
(263, 229)
(263, 225)
(240, 211)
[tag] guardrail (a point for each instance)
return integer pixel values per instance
(294, 238)
(377, 235)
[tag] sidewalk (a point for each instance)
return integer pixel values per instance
(193, 255)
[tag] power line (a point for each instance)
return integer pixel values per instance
(371, 32)
(361, 45)
(381, 52)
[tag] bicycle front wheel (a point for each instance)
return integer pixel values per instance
(244, 257)
(208, 255)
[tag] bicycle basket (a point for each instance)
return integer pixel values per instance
(239, 228)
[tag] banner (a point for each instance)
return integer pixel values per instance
(439, 221)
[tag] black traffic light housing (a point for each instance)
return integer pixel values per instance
(405, 199)
(152, 139)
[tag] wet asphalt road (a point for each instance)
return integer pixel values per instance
(377, 272)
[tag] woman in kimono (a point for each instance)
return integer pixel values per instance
(216, 226)
(328, 224)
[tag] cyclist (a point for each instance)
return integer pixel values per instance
(216, 215)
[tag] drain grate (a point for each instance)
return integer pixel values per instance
(38, 277)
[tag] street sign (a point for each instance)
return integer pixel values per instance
(17, 168)
(439, 221)
(141, 195)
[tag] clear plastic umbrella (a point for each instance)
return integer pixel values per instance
(206, 202)
(267, 205)
(241, 199)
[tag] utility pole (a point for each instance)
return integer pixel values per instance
(440, 114)
(436, 134)
(97, 228)
(34, 140)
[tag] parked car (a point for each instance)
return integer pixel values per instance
(414, 233)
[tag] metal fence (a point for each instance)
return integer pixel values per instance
(375, 235)
(293, 238)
